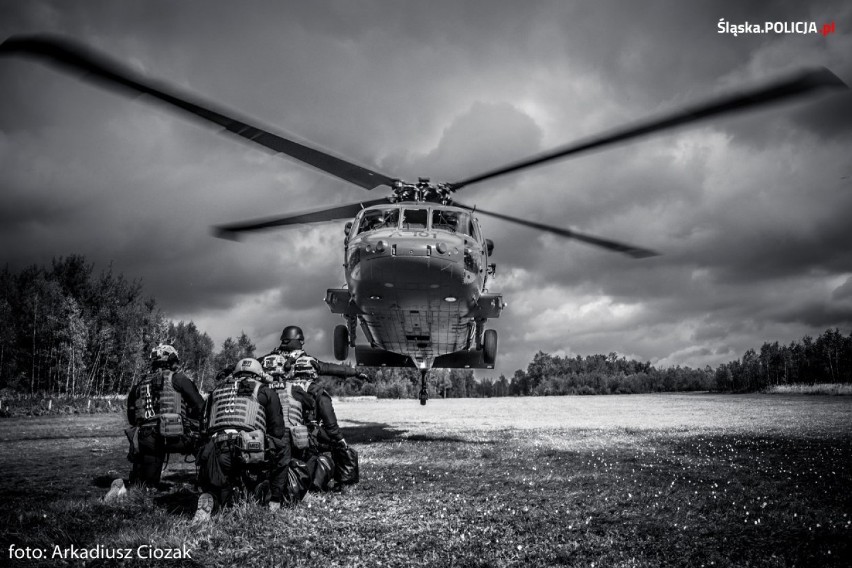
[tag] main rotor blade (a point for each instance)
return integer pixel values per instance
(317, 216)
(99, 68)
(803, 83)
(630, 250)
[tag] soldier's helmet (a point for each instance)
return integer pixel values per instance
(248, 366)
(275, 365)
(292, 337)
(164, 355)
(292, 332)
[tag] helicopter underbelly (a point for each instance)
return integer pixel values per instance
(416, 305)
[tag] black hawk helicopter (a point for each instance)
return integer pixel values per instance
(416, 262)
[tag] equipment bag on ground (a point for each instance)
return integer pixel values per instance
(298, 481)
(345, 465)
(320, 469)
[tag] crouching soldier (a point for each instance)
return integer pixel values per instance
(164, 409)
(299, 409)
(246, 440)
(308, 403)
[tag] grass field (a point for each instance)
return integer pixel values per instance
(640, 480)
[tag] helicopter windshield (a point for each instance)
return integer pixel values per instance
(378, 219)
(415, 218)
(453, 221)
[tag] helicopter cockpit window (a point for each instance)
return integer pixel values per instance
(415, 218)
(454, 221)
(378, 219)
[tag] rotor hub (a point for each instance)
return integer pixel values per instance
(424, 190)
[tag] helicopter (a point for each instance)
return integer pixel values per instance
(416, 262)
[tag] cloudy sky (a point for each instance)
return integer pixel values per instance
(751, 212)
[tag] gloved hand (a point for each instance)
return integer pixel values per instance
(341, 443)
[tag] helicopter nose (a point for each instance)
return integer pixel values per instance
(418, 246)
(407, 260)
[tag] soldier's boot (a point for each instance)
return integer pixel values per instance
(205, 508)
(117, 491)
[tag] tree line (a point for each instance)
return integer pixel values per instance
(826, 359)
(66, 330)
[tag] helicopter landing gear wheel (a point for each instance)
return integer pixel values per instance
(341, 342)
(489, 347)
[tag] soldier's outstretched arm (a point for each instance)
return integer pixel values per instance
(335, 370)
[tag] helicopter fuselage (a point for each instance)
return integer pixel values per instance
(416, 275)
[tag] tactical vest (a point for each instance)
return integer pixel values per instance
(234, 406)
(294, 414)
(296, 418)
(155, 396)
(303, 366)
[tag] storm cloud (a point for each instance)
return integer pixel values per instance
(750, 212)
